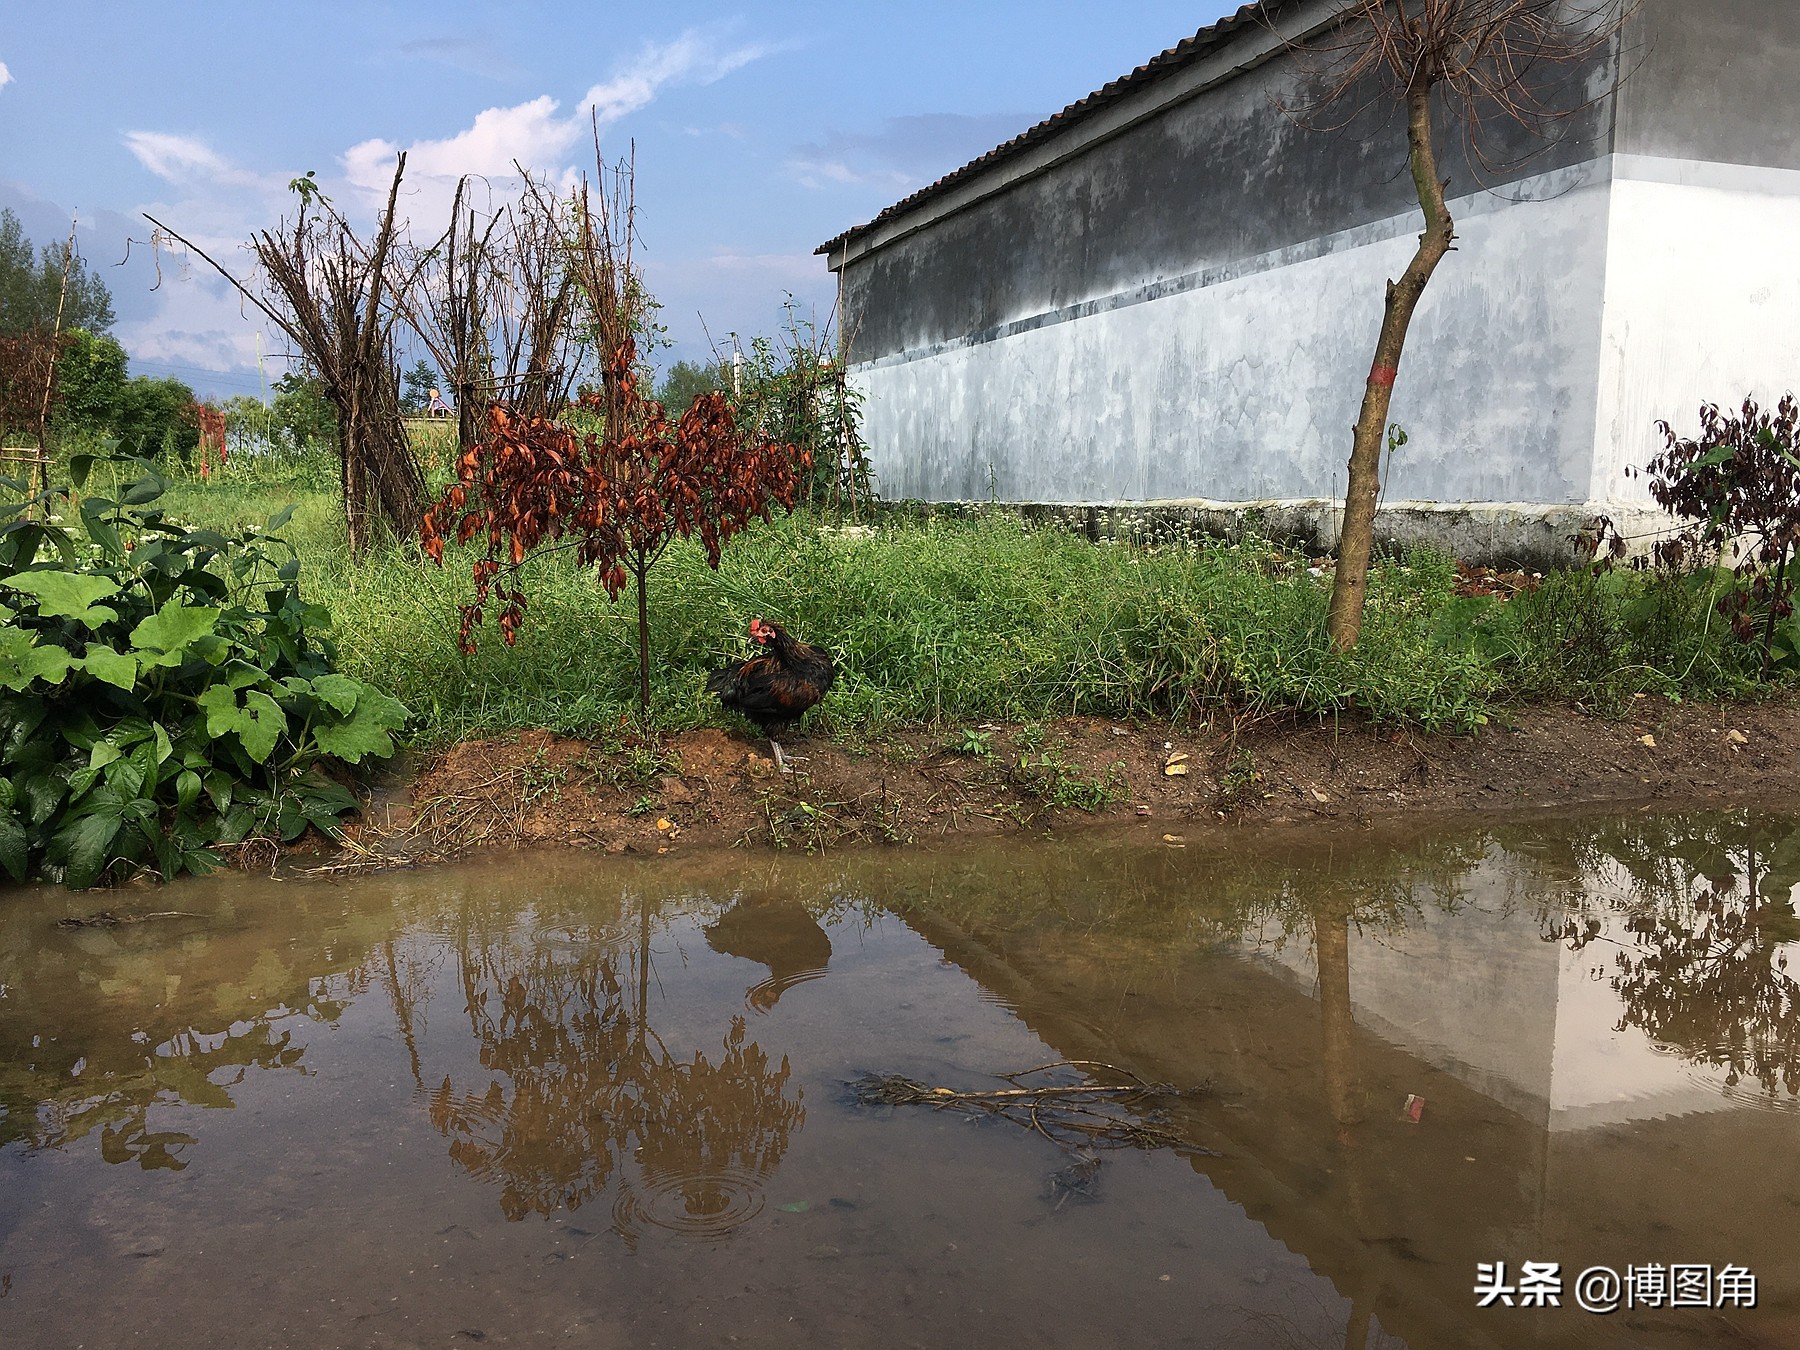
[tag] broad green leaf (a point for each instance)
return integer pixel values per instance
(164, 746)
(68, 595)
(22, 660)
(13, 852)
(258, 721)
(264, 724)
(85, 845)
(219, 703)
(187, 790)
(103, 753)
(367, 731)
(118, 669)
(146, 489)
(101, 530)
(339, 692)
(172, 630)
(281, 518)
(43, 792)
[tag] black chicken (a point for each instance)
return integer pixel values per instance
(774, 690)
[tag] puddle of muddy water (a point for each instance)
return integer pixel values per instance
(573, 1100)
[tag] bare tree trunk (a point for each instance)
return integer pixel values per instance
(1356, 540)
(643, 602)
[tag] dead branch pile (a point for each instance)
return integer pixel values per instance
(494, 301)
(330, 294)
(1076, 1117)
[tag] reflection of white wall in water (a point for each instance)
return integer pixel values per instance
(1480, 995)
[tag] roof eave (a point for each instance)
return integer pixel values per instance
(1206, 59)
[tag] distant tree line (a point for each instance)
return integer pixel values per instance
(95, 397)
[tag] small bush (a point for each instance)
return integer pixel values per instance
(163, 690)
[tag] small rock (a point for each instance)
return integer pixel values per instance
(664, 823)
(1736, 737)
(1175, 771)
(1320, 796)
(758, 767)
(1143, 810)
(1648, 740)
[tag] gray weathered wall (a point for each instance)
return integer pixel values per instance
(1715, 80)
(1184, 312)
(1226, 176)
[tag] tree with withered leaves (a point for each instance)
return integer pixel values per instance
(616, 479)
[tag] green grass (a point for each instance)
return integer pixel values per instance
(955, 622)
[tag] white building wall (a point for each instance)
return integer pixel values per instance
(1241, 383)
(1702, 303)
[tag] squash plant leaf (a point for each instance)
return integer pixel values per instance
(68, 595)
(166, 635)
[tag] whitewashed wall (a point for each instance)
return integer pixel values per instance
(1702, 303)
(1241, 383)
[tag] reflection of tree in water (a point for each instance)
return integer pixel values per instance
(191, 1067)
(585, 1093)
(1708, 912)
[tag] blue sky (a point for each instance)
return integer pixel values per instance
(760, 132)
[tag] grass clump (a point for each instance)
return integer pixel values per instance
(957, 622)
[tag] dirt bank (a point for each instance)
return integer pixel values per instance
(708, 788)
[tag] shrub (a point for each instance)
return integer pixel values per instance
(163, 690)
(1738, 483)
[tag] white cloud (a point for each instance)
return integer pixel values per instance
(196, 320)
(536, 134)
(5, 75)
(185, 160)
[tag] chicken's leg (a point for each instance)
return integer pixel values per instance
(780, 763)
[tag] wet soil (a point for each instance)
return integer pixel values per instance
(710, 788)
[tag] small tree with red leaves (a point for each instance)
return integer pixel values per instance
(535, 485)
(622, 494)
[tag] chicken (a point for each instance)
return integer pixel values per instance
(774, 690)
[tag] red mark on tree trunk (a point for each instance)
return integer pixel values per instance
(1384, 376)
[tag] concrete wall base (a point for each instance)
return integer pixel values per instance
(1508, 535)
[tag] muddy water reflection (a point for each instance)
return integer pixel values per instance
(589, 1100)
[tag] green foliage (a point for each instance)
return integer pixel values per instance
(301, 413)
(90, 383)
(1738, 488)
(1600, 636)
(148, 417)
(957, 622)
(416, 386)
(685, 382)
(792, 389)
(155, 418)
(163, 690)
(1049, 776)
(972, 744)
(31, 285)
